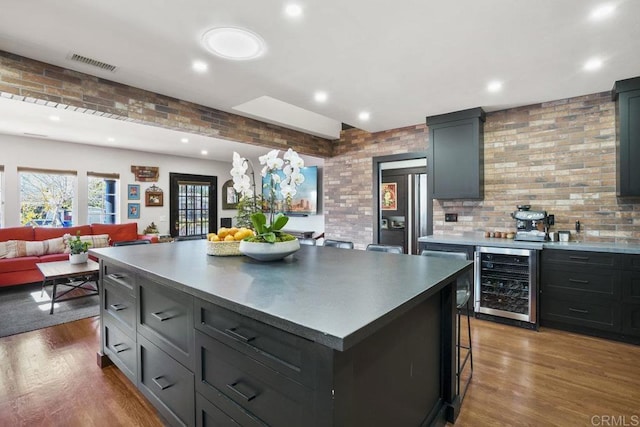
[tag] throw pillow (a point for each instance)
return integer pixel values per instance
(4, 249)
(96, 241)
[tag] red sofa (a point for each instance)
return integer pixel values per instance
(22, 269)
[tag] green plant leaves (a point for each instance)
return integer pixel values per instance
(279, 222)
(259, 221)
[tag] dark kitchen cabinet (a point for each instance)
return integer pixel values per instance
(455, 162)
(595, 293)
(627, 95)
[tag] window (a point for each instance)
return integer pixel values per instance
(46, 197)
(102, 198)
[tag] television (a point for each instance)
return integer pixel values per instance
(305, 202)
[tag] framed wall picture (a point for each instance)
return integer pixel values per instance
(229, 196)
(388, 196)
(133, 211)
(133, 192)
(153, 196)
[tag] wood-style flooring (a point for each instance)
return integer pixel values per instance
(521, 378)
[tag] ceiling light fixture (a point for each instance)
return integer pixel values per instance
(54, 118)
(184, 140)
(593, 64)
(204, 152)
(364, 116)
(603, 11)
(234, 43)
(320, 96)
(494, 86)
(293, 10)
(110, 139)
(199, 66)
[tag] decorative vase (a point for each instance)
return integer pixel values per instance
(269, 251)
(78, 258)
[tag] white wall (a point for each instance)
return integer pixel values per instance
(18, 151)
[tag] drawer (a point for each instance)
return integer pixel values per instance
(601, 316)
(584, 282)
(166, 383)
(570, 257)
(119, 277)
(208, 414)
(631, 287)
(121, 348)
(632, 262)
(230, 379)
(120, 306)
(283, 352)
(166, 319)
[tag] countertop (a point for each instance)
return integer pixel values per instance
(336, 297)
(480, 240)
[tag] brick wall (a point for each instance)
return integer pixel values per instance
(30, 80)
(348, 189)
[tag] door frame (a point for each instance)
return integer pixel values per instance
(377, 179)
(174, 178)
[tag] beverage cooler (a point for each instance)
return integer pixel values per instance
(506, 283)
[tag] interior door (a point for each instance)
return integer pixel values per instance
(193, 209)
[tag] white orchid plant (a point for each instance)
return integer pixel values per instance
(290, 165)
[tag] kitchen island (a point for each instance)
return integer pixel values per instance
(325, 337)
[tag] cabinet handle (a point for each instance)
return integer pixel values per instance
(122, 348)
(582, 282)
(116, 276)
(576, 310)
(118, 307)
(161, 316)
(579, 258)
(161, 382)
(249, 394)
(233, 332)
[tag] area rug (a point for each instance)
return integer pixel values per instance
(23, 308)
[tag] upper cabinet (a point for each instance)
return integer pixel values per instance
(627, 94)
(455, 163)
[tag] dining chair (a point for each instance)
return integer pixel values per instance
(463, 296)
(392, 249)
(338, 244)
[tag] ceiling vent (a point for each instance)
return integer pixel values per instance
(93, 62)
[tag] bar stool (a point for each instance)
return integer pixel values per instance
(392, 249)
(463, 294)
(338, 244)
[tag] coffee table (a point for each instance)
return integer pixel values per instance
(56, 271)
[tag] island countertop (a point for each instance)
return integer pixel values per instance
(336, 297)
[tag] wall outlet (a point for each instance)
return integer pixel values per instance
(451, 217)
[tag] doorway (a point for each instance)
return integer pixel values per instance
(193, 207)
(402, 201)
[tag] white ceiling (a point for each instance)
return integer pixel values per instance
(401, 61)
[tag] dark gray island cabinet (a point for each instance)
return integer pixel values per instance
(327, 337)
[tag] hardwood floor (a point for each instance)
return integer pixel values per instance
(50, 378)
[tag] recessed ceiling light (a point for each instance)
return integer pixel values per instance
(293, 10)
(593, 64)
(320, 96)
(184, 140)
(204, 152)
(603, 11)
(364, 115)
(494, 86)
(234, 43)
(111, 139)
(54, 118)
(199, 66)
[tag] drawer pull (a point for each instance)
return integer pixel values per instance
(161, 382)
(118, 307)
(579, 258)
(582, 282)
(116, 276)
(161, 316)
(247, 395)
(234, 333)
(119, 348)
(576, 310)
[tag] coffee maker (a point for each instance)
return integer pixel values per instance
(532, 226)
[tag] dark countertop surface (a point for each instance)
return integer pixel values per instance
(480, 240)
(336, 297)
